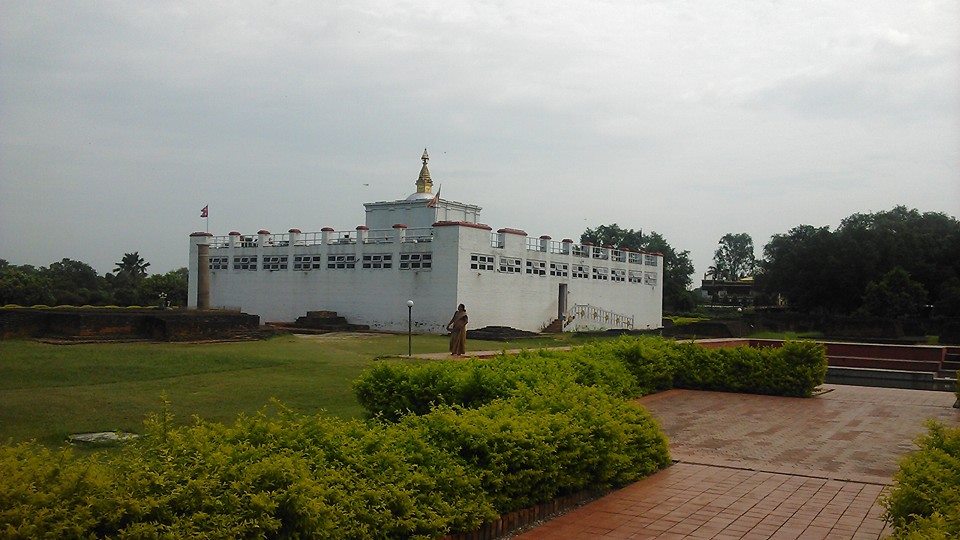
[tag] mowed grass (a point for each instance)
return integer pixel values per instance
(50, 391)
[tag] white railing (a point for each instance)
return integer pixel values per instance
(380, 236)
(419, 234)
(537, 244)
(218, 242)
(310, 239)
(587, 314)
(560, 248)
(278, 240)
(426, 234)
(343, 237)
(600, 253)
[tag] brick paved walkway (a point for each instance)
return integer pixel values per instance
(755, 467)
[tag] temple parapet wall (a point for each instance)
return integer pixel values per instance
(280, 250)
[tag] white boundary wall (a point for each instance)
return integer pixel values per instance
(274, 286)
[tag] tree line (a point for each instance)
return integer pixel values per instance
(894, 263)
(71, 282)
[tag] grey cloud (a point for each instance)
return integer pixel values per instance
(121, 120)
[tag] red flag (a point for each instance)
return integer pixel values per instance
(436, 198)
(205, 212)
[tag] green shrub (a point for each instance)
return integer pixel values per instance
(48, 494)
(925, 499)
(278, 476)
(626, 367)
(548, 442)
(795, 369)
(317, 476)
(651, 361)
(392, 390)
(288, 475)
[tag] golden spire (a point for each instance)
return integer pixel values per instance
(424, 183)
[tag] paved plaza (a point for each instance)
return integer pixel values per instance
(753, 467)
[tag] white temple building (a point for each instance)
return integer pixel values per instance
(435, 252)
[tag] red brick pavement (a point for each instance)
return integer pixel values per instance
(755, 467)
(848, 433)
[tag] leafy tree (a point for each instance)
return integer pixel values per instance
(794, 266)
(949, 302)
(173, 284)
(676, 273)
(127, 282)
(70, 282)
(815, 269)
(677, 266)
(24, 285)
(74, 283)
(613, 235)
(894, 295)
(734, 258)
(132, 264)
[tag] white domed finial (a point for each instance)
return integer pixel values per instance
(425, 157)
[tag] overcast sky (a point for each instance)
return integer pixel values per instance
(120, 120)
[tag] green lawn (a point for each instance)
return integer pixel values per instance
(49, 391)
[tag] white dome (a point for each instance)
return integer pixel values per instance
(419, 197)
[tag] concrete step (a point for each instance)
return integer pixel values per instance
(555, 327)
(327, 321)
(889, 378)
(317, 322)
(883, 363)
(322, 314)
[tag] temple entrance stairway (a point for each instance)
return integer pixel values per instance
(321, 322)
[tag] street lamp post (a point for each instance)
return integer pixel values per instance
(409, 328)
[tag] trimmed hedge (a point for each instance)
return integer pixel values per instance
(392, 390)
(626, 367)
(925, 500)
(548, 442)
(284, 475)
(261, 477)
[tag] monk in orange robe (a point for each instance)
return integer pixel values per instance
(458, 331)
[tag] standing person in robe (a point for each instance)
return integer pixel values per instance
(458, 331)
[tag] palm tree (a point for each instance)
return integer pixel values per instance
(133, 265)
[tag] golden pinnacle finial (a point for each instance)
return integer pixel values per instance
(424, 183)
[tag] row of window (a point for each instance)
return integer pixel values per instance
(513, 265)
(424, 261)
(373, 261)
